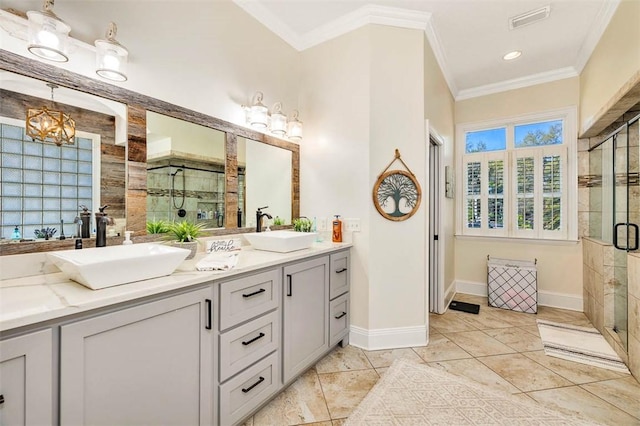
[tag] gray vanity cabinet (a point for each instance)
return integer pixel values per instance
(26, 377)
(149, 364)
(305, 315)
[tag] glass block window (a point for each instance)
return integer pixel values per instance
(42, 184)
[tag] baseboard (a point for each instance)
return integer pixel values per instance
(387, 338)
(545, 298)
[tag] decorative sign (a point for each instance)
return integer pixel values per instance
(397, 193)
(223, 245)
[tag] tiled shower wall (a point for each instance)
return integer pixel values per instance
(203, 198)
(600, 276)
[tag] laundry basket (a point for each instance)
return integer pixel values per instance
(513, 284)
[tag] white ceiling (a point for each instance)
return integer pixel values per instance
(469, 37)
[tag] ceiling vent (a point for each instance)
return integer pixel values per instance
(529, 17)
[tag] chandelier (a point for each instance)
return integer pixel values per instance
(50, 125)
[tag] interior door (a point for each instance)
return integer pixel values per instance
(436, 283)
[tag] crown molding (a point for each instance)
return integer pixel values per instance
(600, 24)
(517, 83)
(271, 21)
(369, 14)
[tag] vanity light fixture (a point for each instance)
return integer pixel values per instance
(49, 125)
(258, 113)
(278, 120)
(48, 34)
(512, 55)
(295, 127)
(111, 56)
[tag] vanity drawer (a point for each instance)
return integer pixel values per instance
(339, 279)
(249, 389)
(244, 345)
(339, 319)
(248, 297)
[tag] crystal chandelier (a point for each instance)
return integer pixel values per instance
(50, 125)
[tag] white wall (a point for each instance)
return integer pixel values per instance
(207, 56)
(334, 154)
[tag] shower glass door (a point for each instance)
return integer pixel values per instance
(615, 213)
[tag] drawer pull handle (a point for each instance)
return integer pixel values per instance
(341, 315)
(289, 289)
(341, 270)
(262, 290)
(260, 380)
(248, 342)
(1, 399)
(209, 314)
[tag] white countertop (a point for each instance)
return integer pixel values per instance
(32, 299)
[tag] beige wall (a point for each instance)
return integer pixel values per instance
(615, 60)
(559, 264)
(439, 106)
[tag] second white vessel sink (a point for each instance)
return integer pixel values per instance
(281, 241)
(103, 267)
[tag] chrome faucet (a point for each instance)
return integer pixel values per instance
(259, 215)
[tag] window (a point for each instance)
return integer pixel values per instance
(516, 176)
(43, 184)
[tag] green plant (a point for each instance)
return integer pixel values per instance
(45, 233)
(184, 231)
(278, 221)
(302, 224)
(157, 227)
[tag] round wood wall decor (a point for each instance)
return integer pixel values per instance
(397, 194)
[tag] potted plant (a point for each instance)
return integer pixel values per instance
(184, 234)
(157, 227)
(302, 224)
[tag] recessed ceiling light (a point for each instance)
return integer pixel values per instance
(512, 55)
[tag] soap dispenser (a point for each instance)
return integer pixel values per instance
(16, 234)
(336, 235)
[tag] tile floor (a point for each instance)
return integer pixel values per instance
(498, 348)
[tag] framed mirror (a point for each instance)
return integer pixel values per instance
(131, 156)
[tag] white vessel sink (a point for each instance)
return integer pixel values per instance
(281, 241)
(103, 267)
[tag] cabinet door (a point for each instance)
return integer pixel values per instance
(150, 364)
(306, 314)
(26, 391)
(339, 266)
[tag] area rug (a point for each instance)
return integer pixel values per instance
(580, 344)
(417, 394)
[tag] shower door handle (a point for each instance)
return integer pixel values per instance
(636, 243)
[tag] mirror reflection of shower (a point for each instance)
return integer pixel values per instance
(178, 206)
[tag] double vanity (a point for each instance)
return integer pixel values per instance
(192, 347)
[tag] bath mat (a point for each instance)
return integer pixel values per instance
(416, 394)
(580, 344)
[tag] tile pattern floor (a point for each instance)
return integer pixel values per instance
(498, 348)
